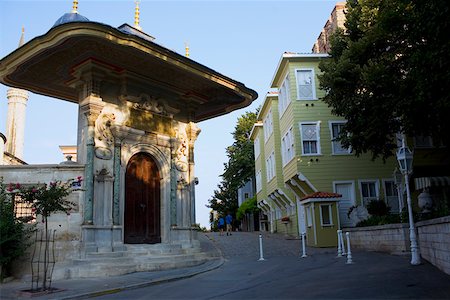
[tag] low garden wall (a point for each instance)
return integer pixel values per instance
(433, 236)
(434, 242)
(391, 238)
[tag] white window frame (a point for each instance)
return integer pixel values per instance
(270, 166)
(418, 144)
(257, 147)
(277, 213)
(317, 123)
(258, 179)
(284, 95)
(330, 212)
(313, 83)
(268, 125)
(287, 146)
(377, 190)
(392, 181)
(333, 139)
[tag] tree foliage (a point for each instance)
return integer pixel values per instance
(14, 234)
(388, 73)
(248, 206)
(239, 168)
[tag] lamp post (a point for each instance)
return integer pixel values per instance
(398, 179)
(405, 159)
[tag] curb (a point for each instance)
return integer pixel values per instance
(212, 265)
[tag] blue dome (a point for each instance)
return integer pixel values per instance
(70, 17)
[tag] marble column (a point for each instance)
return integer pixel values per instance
(192, 133)
(91, 107)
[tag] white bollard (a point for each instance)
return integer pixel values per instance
(261, 257)
(304, 244)
(339, 236)
(349, 252)
(343, 244)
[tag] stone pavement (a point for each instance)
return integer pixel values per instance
(246, 244)
(375, 271)
(92, 287)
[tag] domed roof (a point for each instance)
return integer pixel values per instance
(70, 17)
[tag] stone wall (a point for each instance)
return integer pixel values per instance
(433, 236)
(434, 242)
(68, 233)
(391, 238)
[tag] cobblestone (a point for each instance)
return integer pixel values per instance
(246, 244)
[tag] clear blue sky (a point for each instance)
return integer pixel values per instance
(243, 40)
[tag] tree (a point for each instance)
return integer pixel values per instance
(14, 233)
(241, 164)
(239, 168)
(388, 73)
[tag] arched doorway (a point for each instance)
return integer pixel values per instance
(142, 221)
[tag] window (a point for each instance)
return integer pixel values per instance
(309, 133)
(391, 195)
(421, 141)
(257, 148)
(284, 97)
(336, 128)
(287, 146)
(325, 215)
(270, 166)
(258, 181)
(278, 213)
(309, 215)
(369, 191)
(305, 84)
(268, 125)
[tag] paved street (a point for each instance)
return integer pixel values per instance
(284, 275)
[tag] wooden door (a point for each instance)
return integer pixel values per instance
(142, 201)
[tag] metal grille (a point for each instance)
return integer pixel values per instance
(23, 210)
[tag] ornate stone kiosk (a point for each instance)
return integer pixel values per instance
(138, 107)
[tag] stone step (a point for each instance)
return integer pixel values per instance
(105, 254)
(103, 260)
(154, 249)
(124, 265)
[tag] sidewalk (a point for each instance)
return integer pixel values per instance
(91, 287)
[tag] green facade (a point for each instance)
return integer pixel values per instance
(324, 169)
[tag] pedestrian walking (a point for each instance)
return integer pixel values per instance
(221, 224)
(229, 220)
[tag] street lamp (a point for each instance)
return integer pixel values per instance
(405, 159)
(398, 180)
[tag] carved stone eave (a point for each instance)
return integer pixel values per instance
(122, 133)
(54, 65)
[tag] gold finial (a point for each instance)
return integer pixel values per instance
(186, 47)
(136, 15)
(22, 37)
(75, 7)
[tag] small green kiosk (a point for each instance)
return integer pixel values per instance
(322, 218)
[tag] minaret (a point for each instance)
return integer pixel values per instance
(136, 15)
(15, 122)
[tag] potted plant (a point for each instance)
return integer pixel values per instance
(285, 220)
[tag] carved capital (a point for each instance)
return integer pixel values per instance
(192, 132)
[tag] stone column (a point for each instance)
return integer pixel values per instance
(15, 124)
(91, 107)
(173, 182)
(192, 133)
(116, 188)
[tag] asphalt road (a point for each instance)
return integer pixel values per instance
(284, 275)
